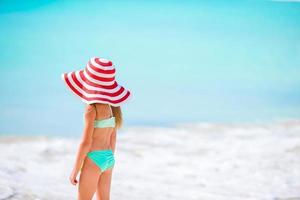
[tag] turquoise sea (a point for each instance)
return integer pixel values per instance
(184, 61)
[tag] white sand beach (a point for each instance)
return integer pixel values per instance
(187, 162)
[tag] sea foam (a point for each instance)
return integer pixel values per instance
(188, 161)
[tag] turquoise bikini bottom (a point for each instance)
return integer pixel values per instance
(104, 159)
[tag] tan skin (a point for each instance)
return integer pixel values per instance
(92, 180)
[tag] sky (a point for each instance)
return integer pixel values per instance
(183, 61)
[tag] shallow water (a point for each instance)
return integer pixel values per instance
(190, 161)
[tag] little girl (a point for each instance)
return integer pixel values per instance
(96, 86)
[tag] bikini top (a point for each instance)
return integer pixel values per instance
(103, 123)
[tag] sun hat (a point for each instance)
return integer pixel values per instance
(96, 83)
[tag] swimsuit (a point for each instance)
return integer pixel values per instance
(110, 122)
(104, 159)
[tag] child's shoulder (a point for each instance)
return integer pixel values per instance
(90, 111)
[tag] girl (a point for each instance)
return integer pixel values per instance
(96, 86)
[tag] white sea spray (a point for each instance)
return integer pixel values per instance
(189, 161)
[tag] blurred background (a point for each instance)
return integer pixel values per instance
(222, 76)
(191, 61)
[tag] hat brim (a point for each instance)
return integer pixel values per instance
(85, 88)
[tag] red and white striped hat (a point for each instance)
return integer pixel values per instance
(96, 83)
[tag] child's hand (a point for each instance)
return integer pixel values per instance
(73, 179)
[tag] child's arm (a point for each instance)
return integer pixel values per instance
(86, 141)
